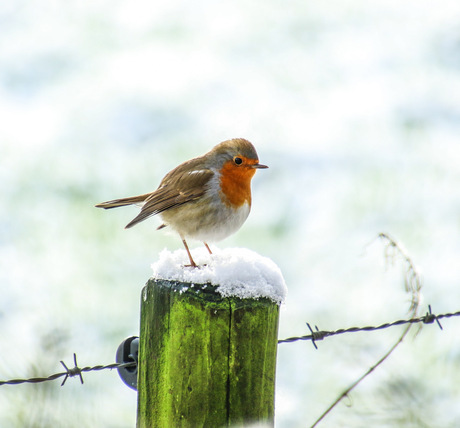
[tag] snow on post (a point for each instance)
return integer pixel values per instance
(208, 340)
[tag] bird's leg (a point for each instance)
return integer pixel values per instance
(192, 263)
(207, 246)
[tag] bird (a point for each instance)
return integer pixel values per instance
(207, 198)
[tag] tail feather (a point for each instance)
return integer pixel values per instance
(115, 203)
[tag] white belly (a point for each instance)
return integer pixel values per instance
(199, 221)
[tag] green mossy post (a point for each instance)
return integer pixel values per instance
(205, 360)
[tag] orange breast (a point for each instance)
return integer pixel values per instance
(235, 182)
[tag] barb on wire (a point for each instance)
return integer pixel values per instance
(315, 335)
(72, 372)
(76, 371)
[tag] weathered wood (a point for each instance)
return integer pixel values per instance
(205, 360)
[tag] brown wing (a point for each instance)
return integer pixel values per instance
(184, 184)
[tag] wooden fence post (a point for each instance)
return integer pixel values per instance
(205, 360)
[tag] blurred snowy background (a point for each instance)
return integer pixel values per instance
(354, 105)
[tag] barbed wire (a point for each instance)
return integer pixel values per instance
(317, 334)
(69, 372)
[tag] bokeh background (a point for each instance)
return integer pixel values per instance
(354, 105)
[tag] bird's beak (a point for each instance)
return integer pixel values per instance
(259, 166)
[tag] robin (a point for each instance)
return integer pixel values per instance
(206, 198)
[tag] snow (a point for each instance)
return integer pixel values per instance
(237, 272)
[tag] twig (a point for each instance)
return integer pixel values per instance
(413, 284)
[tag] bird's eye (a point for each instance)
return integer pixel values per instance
(237, 160)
